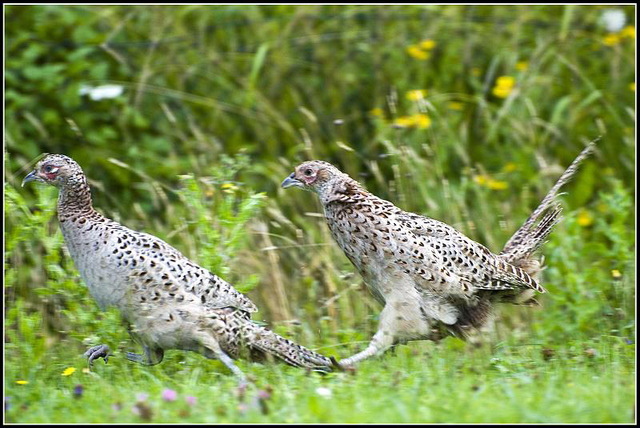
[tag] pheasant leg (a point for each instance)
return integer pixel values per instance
(100, 351)
(149, 358)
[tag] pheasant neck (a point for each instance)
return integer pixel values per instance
(74, 199)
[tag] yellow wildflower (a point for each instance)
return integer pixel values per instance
(490, 183)
(422, 121)
(504, 86)
(611, 39)
(68, 371)
(501, 92)
(376, 111)
(510, 167)
(506, 81)
(628, 31)
(480, 179)
(455, 105)
(497, 184)
(585, 218)
(404, 121)
(416, 94)
(427, 44)
(22, 382)
(522, 65)
(417, 53)
(229, 188)
(616, 273)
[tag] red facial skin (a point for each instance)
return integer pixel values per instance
(49, 171)
(307, 179)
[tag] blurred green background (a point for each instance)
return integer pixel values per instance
(187, 118)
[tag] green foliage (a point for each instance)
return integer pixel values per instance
(427, 383)
(219, 209)
(219, 103)
(599, 285)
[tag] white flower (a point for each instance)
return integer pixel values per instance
(613, 20)
(323, 392)
(99, 92)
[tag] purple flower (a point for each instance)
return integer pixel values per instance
(169, 395)
(263, 395)
(142, 397)
(78, 390)
(191, 400)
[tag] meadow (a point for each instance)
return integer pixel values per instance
(187, 118)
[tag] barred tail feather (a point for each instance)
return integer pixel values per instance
(528, 238)
(536, 238)
(264, 343)
(543, 229)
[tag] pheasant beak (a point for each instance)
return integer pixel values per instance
(291, 181)
(32, 176)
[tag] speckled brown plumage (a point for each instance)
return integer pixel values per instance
(169, 301)
(430, 278)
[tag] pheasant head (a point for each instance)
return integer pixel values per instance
(323, 179)
(58, 171)
(64, 173)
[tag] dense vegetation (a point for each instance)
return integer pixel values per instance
(467, 114)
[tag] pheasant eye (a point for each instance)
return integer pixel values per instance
(308, 172)
(48, 168)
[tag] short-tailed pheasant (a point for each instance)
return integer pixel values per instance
(168, 301)
(431, 279)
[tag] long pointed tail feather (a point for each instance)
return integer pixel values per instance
(528, 238)
(520, 248)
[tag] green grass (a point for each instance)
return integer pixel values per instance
(423, 382)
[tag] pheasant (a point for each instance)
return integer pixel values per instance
(432, 280)
(168, 301)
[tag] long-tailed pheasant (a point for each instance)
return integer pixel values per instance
(431, 279)
(168, 301)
